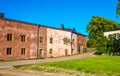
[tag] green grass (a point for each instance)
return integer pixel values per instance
(108, 65)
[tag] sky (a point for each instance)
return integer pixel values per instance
(72, 13)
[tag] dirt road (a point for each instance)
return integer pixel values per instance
(6, 68)
(27, 73)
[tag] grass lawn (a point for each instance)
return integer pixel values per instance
(102, 65)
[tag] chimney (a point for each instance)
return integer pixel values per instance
(74, 29)
(1, 15)
(62, 26)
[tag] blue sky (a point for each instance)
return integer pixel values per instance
(71, 13)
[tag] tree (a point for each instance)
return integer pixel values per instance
(118, 9)
(96, 28)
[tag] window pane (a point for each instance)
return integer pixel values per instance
(9, 37)
(51, 40)
(23, 38)
(50, 51)
(23, 51)
(41, 39)
(8, 51)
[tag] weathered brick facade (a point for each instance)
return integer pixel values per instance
(42, 51)
(36, 41)
(81, 43)
(58, 47)
(74, 43)
(17, 29)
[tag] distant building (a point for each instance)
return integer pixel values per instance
(23, 40)
(115, 33)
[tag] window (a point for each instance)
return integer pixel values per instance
(23, 51)
(110, 35)
(9, 50)
(9, 37)
(51, 40)
(66, 41)
(117, 36)
(51, 50)
(41, 39)
(23, 38)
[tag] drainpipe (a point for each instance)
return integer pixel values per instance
(71, 42)
(37, 41)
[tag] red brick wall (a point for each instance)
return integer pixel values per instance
(81, 43)
(32, 43)
(43, 33)
(17, 29)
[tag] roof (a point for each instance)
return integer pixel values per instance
(66, 29)
(73, 31)
(116, 29)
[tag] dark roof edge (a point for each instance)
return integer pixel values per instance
(81, 34)
(42, 25)
(113, 29)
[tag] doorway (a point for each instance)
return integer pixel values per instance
(78, 48)
(41, 53)
(66, 52)
(81, 49)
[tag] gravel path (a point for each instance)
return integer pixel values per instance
(6, 68)
(27, 73)
(10, 64)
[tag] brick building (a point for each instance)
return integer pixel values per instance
(23, 40)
